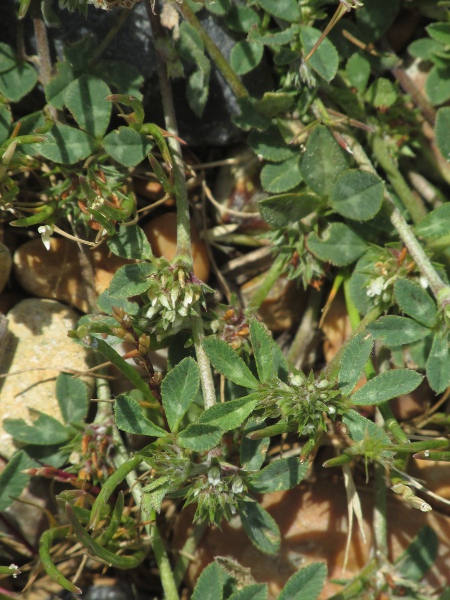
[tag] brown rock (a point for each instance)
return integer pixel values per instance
(162, 235)
(57, 274)
(37, 350)
(282, 306)
(313, 522)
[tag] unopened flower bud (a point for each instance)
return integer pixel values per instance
(237, 485)
(214, 475)
(323, 384)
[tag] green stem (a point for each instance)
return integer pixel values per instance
(380, 503)
(209, 393)
(413, 204)
(269, 281)
(221, 63)
(179, 182)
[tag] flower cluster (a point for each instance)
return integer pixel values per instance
(231, 325)
(217, 495)
(304, 402)
(172, 293)
(392, 265)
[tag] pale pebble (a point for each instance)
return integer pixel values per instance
(37, 349)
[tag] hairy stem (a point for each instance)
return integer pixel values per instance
(413, 204)
(43, 50)
(221, 63)
(307, 330)
(181, 197)
(188, 550)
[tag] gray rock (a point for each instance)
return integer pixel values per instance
(37, 350)
(133, 44)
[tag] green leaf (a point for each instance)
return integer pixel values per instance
(18, 81)
(260, 527)
(437, 85)
(209, 584)
(125, 78)
(45, 430)
(154, 494)
(79, 54)
(415, 302)
(282, 176)
(263, 351)
(306, 584)
(218, 7)
(439, 32)
(86, 99)
(12, 480)
(382, 93)
(279, 211)
(197, 90)
(323, 161)
(55, 89)
(8, 59)
(253, 452)
(67, 145)
(242, 18)
(200, 437)
(273, 104)
(279, 475)
(279, 38)
(245, 56)
(354, 359)
(361, 428)
(397, 331)
(127, 146)
(424, 48)
(325, 60)
(130, 242)
(249, 117)
(269, 145)
(357, 195)
(105, 304)
(339, 245)
(229, 363)
(436, 224)
(179, 388)
(419, 556)
(257, 591)
(229, 415)
(130, 372)
(442, 130)
(438, 363)
(72, 398)
(5, 123)
(387, 385)
(287, 10)
(129, 417)
(375, 18)
(358, 71)
(130, 280)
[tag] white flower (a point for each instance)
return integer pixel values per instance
(214, 476)
(45, 231)
(375, 287)
(237, 485)
(423, 282)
